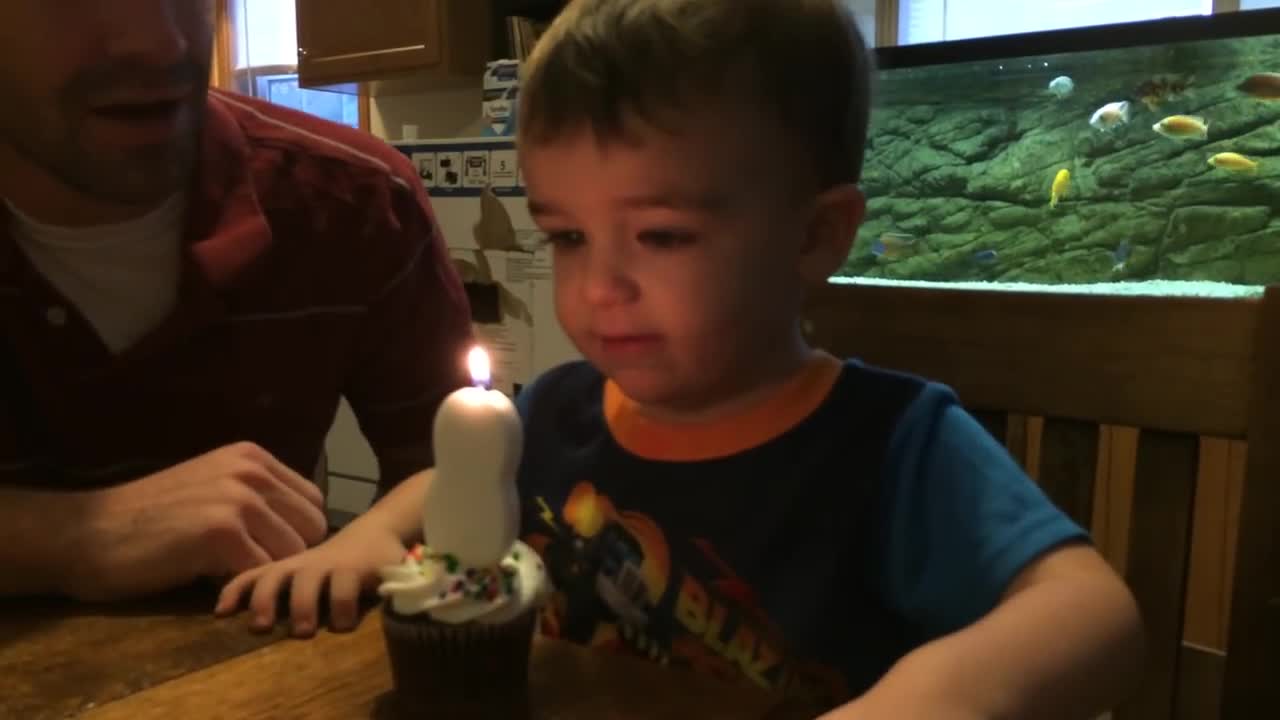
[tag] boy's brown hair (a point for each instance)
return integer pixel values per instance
(604, 59)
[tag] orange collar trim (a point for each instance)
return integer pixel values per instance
(691, 442)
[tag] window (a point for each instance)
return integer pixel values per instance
(921, 21)
(263, 49)
(864, 11)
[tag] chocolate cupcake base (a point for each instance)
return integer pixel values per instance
(468, 670)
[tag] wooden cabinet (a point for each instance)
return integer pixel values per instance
(405, 44)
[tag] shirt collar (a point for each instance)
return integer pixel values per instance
(787, 406)
(226, 228)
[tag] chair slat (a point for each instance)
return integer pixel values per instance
(1068, 466)
(1015, 437)
(1208, 574)
(1253, 640)
(1159, 548)
(1199, 690)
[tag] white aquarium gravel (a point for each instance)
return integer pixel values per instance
(1156, 288)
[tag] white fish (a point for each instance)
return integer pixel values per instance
(1061, 86)
(1110, 115)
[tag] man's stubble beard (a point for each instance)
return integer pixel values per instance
(129, 177)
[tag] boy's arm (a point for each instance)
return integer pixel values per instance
(1063, 643)
(1025, 619)
(400, 510)
(347, 564)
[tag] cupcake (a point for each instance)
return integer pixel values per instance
(459, 637)
(459, 613)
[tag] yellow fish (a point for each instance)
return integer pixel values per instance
(1234, 162)
(1183, 126)
(1061, 182)
(895, 246)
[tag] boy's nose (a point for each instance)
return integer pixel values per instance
(605, 280)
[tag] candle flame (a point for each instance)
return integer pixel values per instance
(478, 362)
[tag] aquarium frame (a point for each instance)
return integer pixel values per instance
(1144, 33)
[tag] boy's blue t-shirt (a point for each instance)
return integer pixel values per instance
(883, 517)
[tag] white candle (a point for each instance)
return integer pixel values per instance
(472, 509)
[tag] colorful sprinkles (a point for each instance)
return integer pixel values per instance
(479, 584)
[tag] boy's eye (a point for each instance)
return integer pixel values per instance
(564, 239)
(666, 239)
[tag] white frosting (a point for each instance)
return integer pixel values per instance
(472, 509)
(451, 592)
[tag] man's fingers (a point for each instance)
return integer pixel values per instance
(299, 484)
(272, 531)
(309, 523)
(238, 549)
(307, 519)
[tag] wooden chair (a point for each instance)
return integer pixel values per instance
(1179, 370)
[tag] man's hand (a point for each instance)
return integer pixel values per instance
(347, 564)
(219, 514)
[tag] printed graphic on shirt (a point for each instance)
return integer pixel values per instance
(621, 585)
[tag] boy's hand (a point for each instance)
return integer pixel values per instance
(347, 564)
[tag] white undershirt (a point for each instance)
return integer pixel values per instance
(123, 278)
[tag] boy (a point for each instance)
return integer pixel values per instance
(709, 491)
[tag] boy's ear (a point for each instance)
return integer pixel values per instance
(834, 220)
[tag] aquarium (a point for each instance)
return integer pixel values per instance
(1142, 157)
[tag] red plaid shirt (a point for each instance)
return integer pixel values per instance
(314, 270)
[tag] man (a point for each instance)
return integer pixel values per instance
(189, 280)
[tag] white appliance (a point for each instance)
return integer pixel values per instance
(477, 192)
(478, 197)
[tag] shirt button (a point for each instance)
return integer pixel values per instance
(57, 316)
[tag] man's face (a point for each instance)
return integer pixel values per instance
(106, 96)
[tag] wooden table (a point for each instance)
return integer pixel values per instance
(169, 658)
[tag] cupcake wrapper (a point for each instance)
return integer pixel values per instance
(437, 665)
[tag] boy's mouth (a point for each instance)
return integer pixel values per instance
(631, 343)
